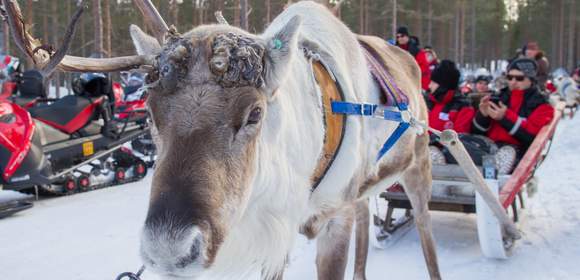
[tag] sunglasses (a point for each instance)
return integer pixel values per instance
(399, 36)
(516, 77)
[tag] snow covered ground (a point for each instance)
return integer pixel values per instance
(94, 236)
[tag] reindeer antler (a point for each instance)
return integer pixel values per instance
(220, 18)
(153, 18)
(47, 61)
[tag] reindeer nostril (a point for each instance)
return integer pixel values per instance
(147, 260)
(194, 253)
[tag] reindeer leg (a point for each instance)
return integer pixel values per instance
(417, 184)
(362, 239)
(332, 245)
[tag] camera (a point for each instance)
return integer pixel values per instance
(495, 98)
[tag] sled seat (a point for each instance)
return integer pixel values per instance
(69, 113)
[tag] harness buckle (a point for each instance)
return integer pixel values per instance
(406, 116)
(367, 109)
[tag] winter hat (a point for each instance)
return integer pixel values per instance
(484, 78)
(532, 46)
(403, 30)
(446, 75)
(482, 74)
(526, 65)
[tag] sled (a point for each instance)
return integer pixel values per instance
(453, 191)
(10, 208)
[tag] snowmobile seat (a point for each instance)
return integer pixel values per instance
(69, 113)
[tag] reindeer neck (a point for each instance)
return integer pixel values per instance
(293, 135)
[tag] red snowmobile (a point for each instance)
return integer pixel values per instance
(131, 105)
(61, 146)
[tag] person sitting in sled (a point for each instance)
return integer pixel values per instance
(448, 108)
(513, 118)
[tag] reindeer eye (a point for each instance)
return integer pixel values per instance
(255, 116)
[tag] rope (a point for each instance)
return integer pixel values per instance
(131, 275)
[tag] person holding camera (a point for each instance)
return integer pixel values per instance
(516, 115)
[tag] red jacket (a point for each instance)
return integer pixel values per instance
(421, 59)
(528, 111)
(452, 112)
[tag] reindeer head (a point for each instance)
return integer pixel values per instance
(209, 94)
(208, 103)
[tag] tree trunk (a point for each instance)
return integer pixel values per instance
(554, 20)
(56, 43)
(174, 11)
(268, 12)
(45, 23)
(201, 12)
(430, 21)
(194, 20)
(361, 16)
(461, 31)
(419, 19)
(561, 34)
(98, 21)
(108, 27)
(577, 52)
(29, 20)
(244, 14)
(237, 13)
(453, 43)
(394, 18)
(456, 36)
(571, 33)
(29, 12)
(83, 29)
(473, 32)
(367, 18)
(6, 38)
(67, 77)
(387, 21)
(499, 30)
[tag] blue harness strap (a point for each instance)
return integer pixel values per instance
(363, 109)
(347, 108)
(403, 126)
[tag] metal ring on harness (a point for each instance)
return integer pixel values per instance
(131, 275)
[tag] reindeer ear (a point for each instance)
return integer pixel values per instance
(144, 44)
(281, 45)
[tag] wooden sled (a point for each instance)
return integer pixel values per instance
(453, 192)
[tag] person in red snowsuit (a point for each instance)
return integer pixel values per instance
(514, 117)
(521, 110)
(411, 44)
(448, 108)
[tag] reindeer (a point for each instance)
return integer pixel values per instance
(238, 121)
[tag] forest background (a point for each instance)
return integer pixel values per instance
(473, 32)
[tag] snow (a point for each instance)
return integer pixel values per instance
(95, 235)
(13, 195)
